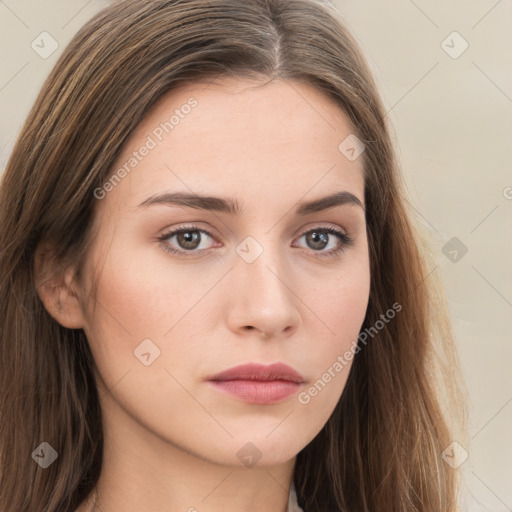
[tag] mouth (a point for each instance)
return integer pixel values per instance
(258, 384)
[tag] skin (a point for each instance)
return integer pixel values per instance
(171, 440)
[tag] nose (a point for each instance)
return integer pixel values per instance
(262, 297)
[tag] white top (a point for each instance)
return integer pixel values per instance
(292, 500)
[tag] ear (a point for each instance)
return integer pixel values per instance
(57, 289)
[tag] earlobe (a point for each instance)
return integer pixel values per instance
(56, 289)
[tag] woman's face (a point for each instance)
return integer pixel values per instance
(254, 277)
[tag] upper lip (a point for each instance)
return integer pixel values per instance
(260, 372)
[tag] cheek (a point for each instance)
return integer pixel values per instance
(139, 333)
(138, 299)
(143, 296)
(338, 300)
(339, 308)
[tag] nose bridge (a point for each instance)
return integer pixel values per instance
(259, 262)
(263, 297)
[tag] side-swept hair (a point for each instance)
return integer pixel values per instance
(381, 449)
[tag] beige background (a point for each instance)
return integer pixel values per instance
(452, 120)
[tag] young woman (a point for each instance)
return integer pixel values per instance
(213, 296)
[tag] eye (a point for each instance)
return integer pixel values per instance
(188, 239)
(320, 238)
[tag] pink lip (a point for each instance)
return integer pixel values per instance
(257, 383)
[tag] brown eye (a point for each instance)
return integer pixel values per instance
(320, 238)
(317, 240)
(188, 239)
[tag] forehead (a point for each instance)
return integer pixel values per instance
(245, 139)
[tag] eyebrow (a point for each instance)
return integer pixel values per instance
(232, 207)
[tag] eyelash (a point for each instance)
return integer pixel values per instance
(345, 240)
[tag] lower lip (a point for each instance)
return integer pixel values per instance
(257, 391)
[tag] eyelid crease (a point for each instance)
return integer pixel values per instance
(345, 240)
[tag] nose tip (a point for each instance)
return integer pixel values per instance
(262, 300)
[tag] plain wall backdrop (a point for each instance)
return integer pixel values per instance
(444, 72)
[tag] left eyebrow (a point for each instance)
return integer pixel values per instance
(232, 207)
(328, 202)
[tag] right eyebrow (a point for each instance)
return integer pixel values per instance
(208, 203)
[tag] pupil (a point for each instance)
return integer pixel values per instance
(189, 239)
(320, 237)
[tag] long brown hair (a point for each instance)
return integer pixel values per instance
(381, 450)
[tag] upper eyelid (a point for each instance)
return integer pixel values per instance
(193, 227)
(174, 231)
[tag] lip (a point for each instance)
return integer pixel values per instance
(260, 372)
(258, 383)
